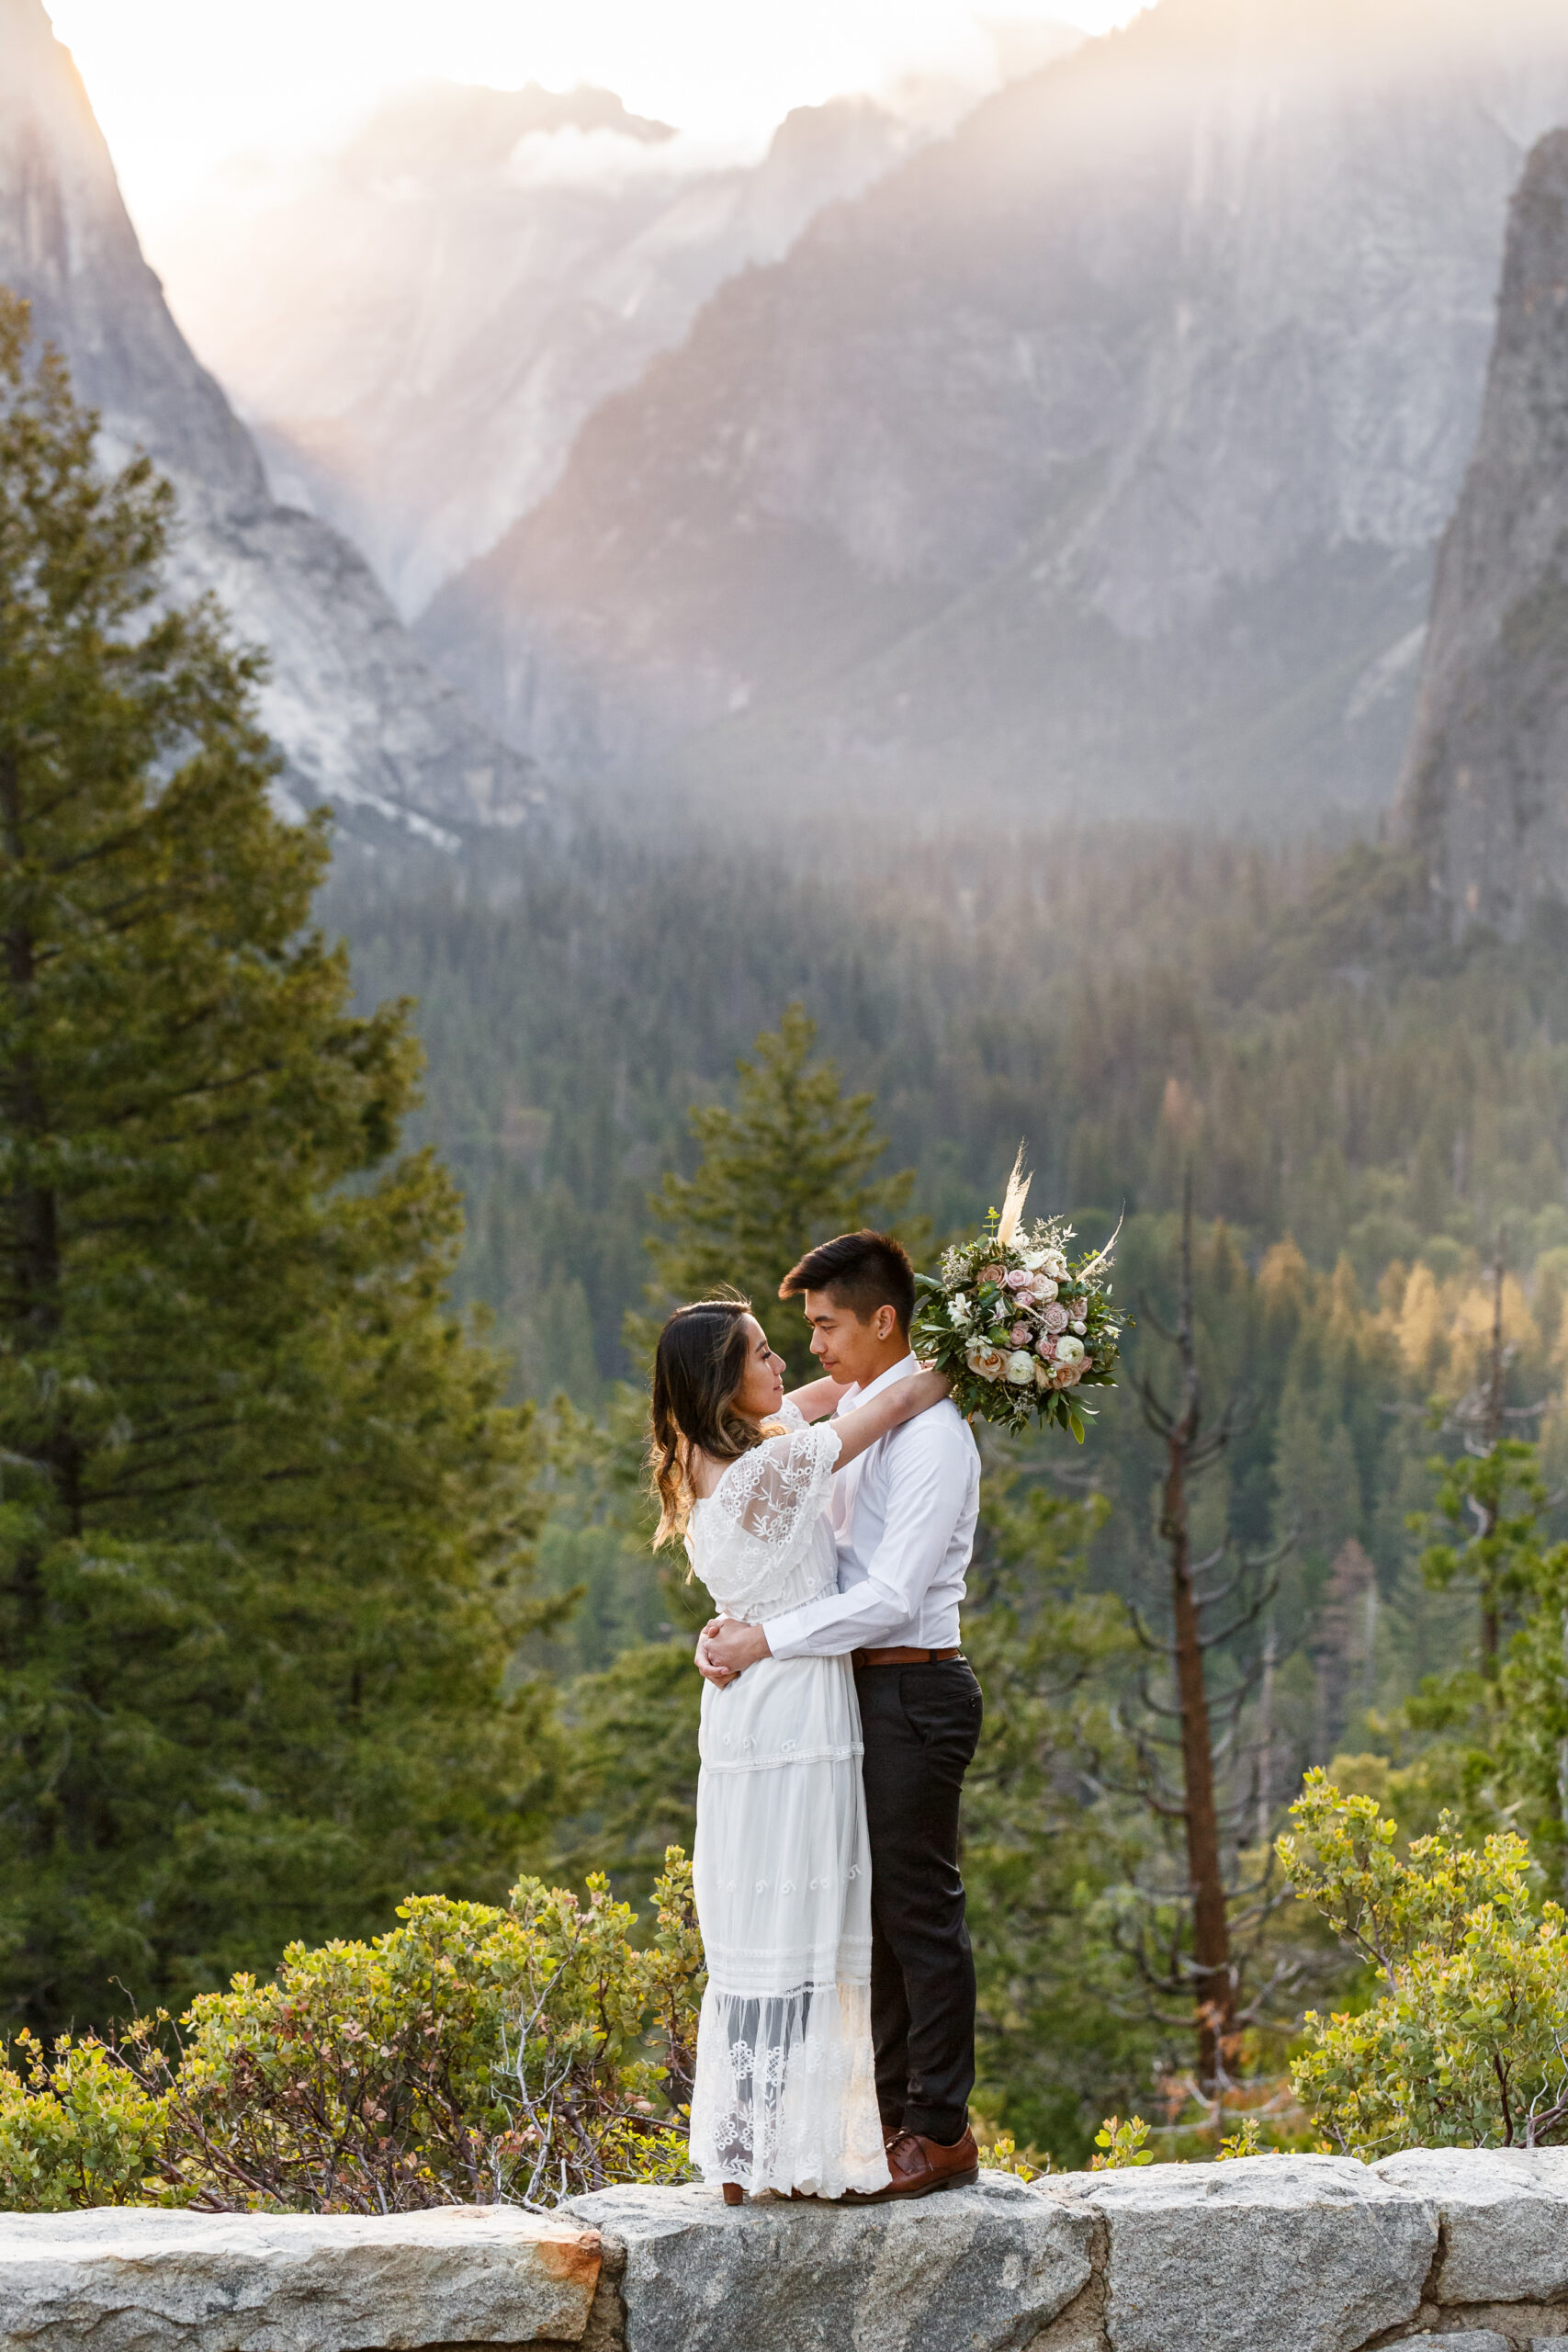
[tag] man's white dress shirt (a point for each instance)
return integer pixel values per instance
(904, 1515)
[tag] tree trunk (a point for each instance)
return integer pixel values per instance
(1213, 1988)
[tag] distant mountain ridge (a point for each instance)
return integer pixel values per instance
(362, 719)
(417, 334)
(1484, 795)
(1096, 457)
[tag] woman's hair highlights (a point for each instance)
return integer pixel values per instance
(698, 1365)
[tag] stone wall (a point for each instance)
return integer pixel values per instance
(1273, 2254)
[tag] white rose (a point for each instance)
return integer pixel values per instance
(1032, 1259)
(1021, 1368)
(1068, 1349)
(1054, 1264)
(958, 1306)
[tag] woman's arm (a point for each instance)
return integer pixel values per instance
(900, 1402)
(817, 1398)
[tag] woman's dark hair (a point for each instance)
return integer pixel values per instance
(860, 1271)
(699, 1364)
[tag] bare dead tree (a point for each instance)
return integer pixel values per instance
(1205, 1618)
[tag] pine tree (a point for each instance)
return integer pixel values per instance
(263, 1516)
(794, 1163)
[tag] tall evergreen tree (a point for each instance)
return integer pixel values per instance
(792, 1164)
(263, 1515)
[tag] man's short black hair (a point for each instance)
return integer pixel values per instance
(860, 1271)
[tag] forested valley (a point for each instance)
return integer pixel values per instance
(327, 1606)
(1371, 1116)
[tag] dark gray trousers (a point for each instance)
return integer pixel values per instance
(921, 1725)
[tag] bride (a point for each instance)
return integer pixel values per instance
(784, 2095)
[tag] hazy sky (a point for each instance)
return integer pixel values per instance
(180, 86)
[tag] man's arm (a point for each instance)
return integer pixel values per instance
(928, 1488)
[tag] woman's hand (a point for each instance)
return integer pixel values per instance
(725, 1648)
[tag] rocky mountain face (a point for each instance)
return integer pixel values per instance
(1484, 794)
(361, 718)
(1095, 458)
(418, 331)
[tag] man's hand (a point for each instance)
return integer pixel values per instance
(725, 1648)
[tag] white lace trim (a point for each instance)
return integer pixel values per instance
(752, 1535)
(786, 1753)
(785, 2094)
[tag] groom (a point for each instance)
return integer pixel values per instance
(904, 1515)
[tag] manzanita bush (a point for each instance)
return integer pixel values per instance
(1467, 2043)
(472, 2054)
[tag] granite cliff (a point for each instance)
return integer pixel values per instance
(362, 719)
(1096, 457)
(417, 330)
(1484, 794)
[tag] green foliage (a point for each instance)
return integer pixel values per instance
(471, 2054)
(1121, 2144)
(1492, 1502)
(1247, 2140)
(77, 2127)
(1054, 2025)
(266, 1520)
(791, 1165)
(1467, 2045)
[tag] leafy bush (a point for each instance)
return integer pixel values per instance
(470, 2055)
(1467, 2046)
(76, 2128)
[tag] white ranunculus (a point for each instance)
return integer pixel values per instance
(1021, 1368)
(1068, 1349)
(958, 1306)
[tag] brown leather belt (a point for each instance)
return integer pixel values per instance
(898, 1657)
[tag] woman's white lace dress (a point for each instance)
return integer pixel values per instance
(785, 2097)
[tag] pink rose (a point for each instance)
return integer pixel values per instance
(1020, 1279)
(1042, 1289)
(1021, 1335)
(1054, 1317)
(1045, 1346)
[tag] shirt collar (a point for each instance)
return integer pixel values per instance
(858, 1396)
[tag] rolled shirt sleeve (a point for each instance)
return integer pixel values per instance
(932, 1485)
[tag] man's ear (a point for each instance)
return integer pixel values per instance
(883, 1322)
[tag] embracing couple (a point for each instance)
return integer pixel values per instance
(832, 1528)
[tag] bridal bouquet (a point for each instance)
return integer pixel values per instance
(1017, 1322)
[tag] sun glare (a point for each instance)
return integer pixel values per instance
(180, 87)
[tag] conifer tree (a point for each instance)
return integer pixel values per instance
(794, 1163)
(263, 1516)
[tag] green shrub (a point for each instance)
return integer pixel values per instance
(1467, 2045)
(470, 2055)
(77, 2127)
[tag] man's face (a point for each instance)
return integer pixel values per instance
(846, 1348)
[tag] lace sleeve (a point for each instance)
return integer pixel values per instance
(763, 1514)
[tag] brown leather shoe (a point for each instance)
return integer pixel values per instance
(919, 2165)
